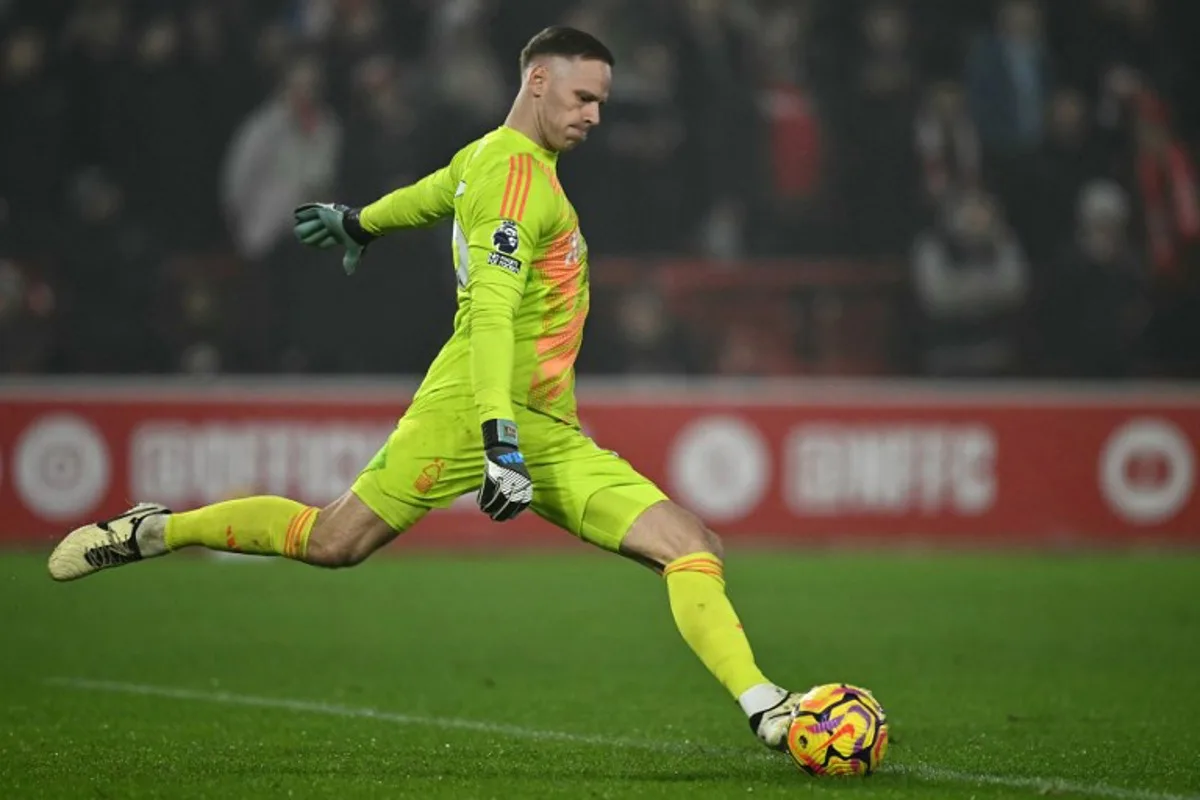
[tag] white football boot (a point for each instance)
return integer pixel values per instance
(100, 545)
(771, 725)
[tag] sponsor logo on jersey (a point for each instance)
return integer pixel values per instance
(509, 263)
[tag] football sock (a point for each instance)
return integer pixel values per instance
(761, 697)
(708, 623)
(265, 526)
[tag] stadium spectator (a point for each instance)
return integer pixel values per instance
(285, 152)
(795, 157)
(28, 307)
(1167, 182)
(1009, 75)
(33, 146)
(1170, 197)
(713, 41)
(1093, 302)
(96, 44)
(347, 30)
(385, 146)
(736, 129)
(971, 279)
(470, 82)
(161, 79)
(110, 253)
(1009, 78)
(1070, 157)
(1128, 34)
(875, 138)
(634, 195)
(635, 334)
(222, 86)
(947, 143)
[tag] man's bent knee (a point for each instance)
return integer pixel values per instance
(334, 549)
(666, 532)
(346, 533)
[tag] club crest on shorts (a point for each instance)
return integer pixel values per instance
(505, 239)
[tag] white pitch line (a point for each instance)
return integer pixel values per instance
(1039, 785)
(359, 712)
(932, 774)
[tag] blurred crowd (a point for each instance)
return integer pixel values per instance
(1027, 170)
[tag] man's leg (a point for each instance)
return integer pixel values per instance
(342, 534)
(422, 466)
(599, 497)
(690, 556)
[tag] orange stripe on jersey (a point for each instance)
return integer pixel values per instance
(558, 353)
(515, 208)
(556, 356)
(556, 266)
(566, 298)
(550, 176)
(525, 189)
(558, 347)
(508, 187)
(557, 350)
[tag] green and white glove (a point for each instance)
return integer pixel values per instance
(326, 225)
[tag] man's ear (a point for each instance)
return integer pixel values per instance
(539, 78)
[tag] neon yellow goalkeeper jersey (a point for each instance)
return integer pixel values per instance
(521, 266)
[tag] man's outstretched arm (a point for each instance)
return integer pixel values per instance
(334, 224)
(425, 202)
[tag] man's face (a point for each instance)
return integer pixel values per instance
(974, 219)
(303, 84)
(570, 92)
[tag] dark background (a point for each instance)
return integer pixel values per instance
(949, 188)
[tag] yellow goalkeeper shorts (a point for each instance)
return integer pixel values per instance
(432, 458)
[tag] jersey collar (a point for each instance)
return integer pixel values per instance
(526, 143)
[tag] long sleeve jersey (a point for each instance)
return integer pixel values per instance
(522, 273)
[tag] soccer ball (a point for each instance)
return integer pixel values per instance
(838, 730)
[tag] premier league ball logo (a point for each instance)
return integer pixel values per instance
(506, 239)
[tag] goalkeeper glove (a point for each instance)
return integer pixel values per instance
(328, 224)
(507, 489)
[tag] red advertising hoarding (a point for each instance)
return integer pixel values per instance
(780, 462)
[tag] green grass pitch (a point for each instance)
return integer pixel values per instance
(562, 675)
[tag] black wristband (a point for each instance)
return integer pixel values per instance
(497, 432)
(354, 228)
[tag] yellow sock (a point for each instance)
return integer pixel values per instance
(265, 526)
(710, 626)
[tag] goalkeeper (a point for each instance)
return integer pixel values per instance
(496, 412)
